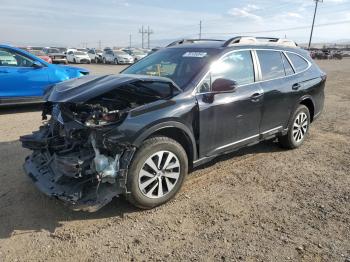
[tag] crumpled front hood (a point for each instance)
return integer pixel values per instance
(88, 87)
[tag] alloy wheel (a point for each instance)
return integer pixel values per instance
(300, 126)
(159, 174)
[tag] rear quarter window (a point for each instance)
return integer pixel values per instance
(299, 63)
(271, 64)
(287, 67)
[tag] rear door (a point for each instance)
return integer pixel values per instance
(18, 77)
(229, 120)
(277, 79)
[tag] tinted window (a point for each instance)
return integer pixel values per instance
(299, 63)
(271, 64)
(287, 67)
(237, 66)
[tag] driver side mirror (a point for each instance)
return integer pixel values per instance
(222, 85)
(37, 65)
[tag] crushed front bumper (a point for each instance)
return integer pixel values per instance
(78, 194)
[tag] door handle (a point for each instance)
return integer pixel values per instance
(255, 97)
(296, 86)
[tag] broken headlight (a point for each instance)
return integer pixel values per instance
(100, 118)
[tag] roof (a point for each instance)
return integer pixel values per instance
(235, 41)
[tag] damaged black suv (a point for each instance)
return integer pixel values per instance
(138, 133)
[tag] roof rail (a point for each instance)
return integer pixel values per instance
(191, 41)
(259, 40)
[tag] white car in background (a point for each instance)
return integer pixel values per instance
(116, 57)
(78, 57)
(135, 53)
(95, 55)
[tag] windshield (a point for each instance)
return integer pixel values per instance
(179, 64)
(138, 52)
(79, 53)
(53, 50)
(119, 52)
(37, 52)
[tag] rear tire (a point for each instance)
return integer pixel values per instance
(298, 128)
(156, 173)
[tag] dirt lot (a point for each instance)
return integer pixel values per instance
(259, 204)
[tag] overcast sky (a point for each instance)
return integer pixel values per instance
(74, 22)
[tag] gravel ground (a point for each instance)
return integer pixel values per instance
(258, 204)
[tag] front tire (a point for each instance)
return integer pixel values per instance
(116, 62)
(298, 128)
(156, 173)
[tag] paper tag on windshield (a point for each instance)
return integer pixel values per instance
(194, 54)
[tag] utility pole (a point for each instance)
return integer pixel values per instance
(313, 21)
(130, 41)
(149, 32)
(99, 44)
(200, 29)
(142, 32)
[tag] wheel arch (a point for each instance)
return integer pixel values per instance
(309, 103)
(174, 130)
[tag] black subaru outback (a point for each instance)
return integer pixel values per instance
(138, 133)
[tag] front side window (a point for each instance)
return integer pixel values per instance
(271, 64)
(237, 66)
(298, 62)
(179, 64)
(11, 58)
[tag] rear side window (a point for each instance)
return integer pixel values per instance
(299, 63)
(271, 64)
(287, 67)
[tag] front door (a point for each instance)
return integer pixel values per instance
(231, 119)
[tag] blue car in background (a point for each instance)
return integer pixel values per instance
(24, 77)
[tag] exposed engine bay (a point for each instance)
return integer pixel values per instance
(71, 160)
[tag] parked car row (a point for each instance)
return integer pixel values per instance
(326, 54)
(61, 55)
(32, 68)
